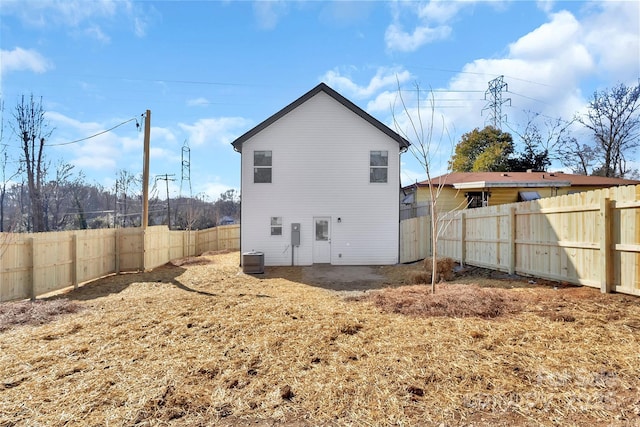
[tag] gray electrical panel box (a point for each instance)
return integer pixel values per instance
(295, 234)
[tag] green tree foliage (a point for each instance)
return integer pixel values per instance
(486, 150)
(530, 158)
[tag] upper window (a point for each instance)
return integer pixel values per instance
(262, 166)
(378, 166)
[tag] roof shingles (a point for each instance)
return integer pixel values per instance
(521, 179)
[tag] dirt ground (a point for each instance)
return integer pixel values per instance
(199, 343)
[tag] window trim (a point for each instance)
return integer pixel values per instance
(373, 166)
(258, 167)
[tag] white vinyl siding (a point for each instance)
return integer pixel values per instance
(321, 151)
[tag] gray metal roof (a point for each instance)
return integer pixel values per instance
(322, 87)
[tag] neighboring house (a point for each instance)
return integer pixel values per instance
(227, 220)
(475, 189)
(320, 181)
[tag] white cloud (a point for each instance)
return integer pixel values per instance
(160, 153)
(439, 11)
(213, 188)
(542, 69)
(428, 22)
(548, 40)
(140, 26)
(102, 152)
(100, 158)
(546, 5)
(383, 102)
(197, 102)
(399, 40)
(65, 122)
(95, 32)
(215, 131)
(384, 78)
(78, 13)
(20, 59)
(268, 13)
(60, 12)
(611, 34)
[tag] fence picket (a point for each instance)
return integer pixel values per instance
(38, 263)
(589, 238)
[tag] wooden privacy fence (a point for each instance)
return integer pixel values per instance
(38, 263)
(590, 238)
(415, 238)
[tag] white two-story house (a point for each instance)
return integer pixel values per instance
(320, 184)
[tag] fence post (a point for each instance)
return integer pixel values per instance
(116, 233)
(74, 267)
(512, 240)
(606, 284)
(32, 289)
(463, 234)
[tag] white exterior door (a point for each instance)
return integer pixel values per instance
(321, 240)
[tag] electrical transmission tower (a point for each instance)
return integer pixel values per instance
(186, 167)
(496, 86)
(185, 179)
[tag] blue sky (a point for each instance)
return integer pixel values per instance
(209, 71)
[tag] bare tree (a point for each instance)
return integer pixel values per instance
(127, 185)
(613, 115)
(4, 161)
(423, 147)
(56, 197)
(33, 130)
(79, 191)
(542, 143)
(579, 157)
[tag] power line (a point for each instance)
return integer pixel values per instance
(160, 80)
(527, 97)
(97, 134)
(478, 74)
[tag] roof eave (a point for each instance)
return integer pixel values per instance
(498, 184)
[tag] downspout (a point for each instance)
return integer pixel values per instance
(240, 151)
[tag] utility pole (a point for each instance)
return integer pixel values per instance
(145, 171)
(494, 92)
(166, 179)
(115, 207)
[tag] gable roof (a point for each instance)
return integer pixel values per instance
(466, 180)
(322, 87)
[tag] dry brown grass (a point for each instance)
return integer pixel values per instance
(448, 301)
(445, 269)
(206, 345)
(33, 312)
